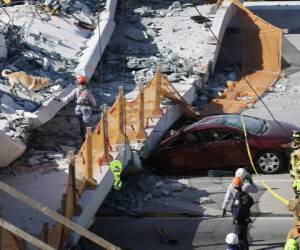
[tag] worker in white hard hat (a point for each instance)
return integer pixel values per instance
(248, 187)
(232, 241)
(241, 172)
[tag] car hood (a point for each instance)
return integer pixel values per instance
(280, 129)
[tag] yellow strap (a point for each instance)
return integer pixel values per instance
(276, 195)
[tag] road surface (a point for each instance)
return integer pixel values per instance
(271, 220)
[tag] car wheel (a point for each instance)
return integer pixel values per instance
(270, 162)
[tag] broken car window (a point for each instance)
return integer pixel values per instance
(178, 142)
(253, 125)
(214, 135)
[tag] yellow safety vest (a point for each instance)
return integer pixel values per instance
(296, 185)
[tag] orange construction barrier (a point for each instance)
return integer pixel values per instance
(124, 121)
(261, 65)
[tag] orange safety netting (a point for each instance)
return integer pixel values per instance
(261, 64)
(168, 91)
(9, 241)
(123, 121)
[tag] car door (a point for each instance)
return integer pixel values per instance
(233, 152)
(205, 154)
(176, 154)
(221, 148)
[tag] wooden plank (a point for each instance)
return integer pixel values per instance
(57, 217)
(140, 133)
(157, 112)
(20, 233)
(45, 232)
(90, 181)
(56, 233)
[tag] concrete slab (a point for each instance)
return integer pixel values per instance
(3, 48)
(45, 34)
(11, 151)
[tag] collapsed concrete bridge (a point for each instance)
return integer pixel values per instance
(144, 128)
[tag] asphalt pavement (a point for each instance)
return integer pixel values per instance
(271, 220)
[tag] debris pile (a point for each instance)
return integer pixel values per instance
(142, 187)
(132, 61)
(34, 47)
(48, 145)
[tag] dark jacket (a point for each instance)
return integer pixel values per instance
(241, 204)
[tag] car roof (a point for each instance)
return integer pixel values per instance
(210, 121)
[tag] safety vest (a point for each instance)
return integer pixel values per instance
(291, 244)
(295, 163)
(296, 185)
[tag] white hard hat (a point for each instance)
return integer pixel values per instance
(241, 172)
(232, 239)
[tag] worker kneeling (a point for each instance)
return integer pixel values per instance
(240, 208)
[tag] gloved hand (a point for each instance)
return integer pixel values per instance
(249, 178)
(223, 212)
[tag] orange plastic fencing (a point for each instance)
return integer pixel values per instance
(168, 91)
(261, 64)
(9, 241)
(124, 121)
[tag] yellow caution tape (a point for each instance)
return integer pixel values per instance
(276, 195)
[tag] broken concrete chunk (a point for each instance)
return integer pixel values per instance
(135, 34)
(145, 11)
(174, 187)
(77, 5)
(204, 200)
(152, 32)
(45, 64)
(158, 184)
(4, 125)
(55, 88)
(3, 48)
(35, 160)
(162, 14)
(54, 155)
(60, 81)
(29, 115)
(176, 5)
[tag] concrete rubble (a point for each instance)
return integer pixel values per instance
(30, 42)
(151, 37)
(124, 61)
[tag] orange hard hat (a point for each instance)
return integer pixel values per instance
(82, 80)
(237, 181)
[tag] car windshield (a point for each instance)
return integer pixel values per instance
(253, 125)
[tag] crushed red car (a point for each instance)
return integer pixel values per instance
(217, 142)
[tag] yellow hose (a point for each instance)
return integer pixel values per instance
(276, 195)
